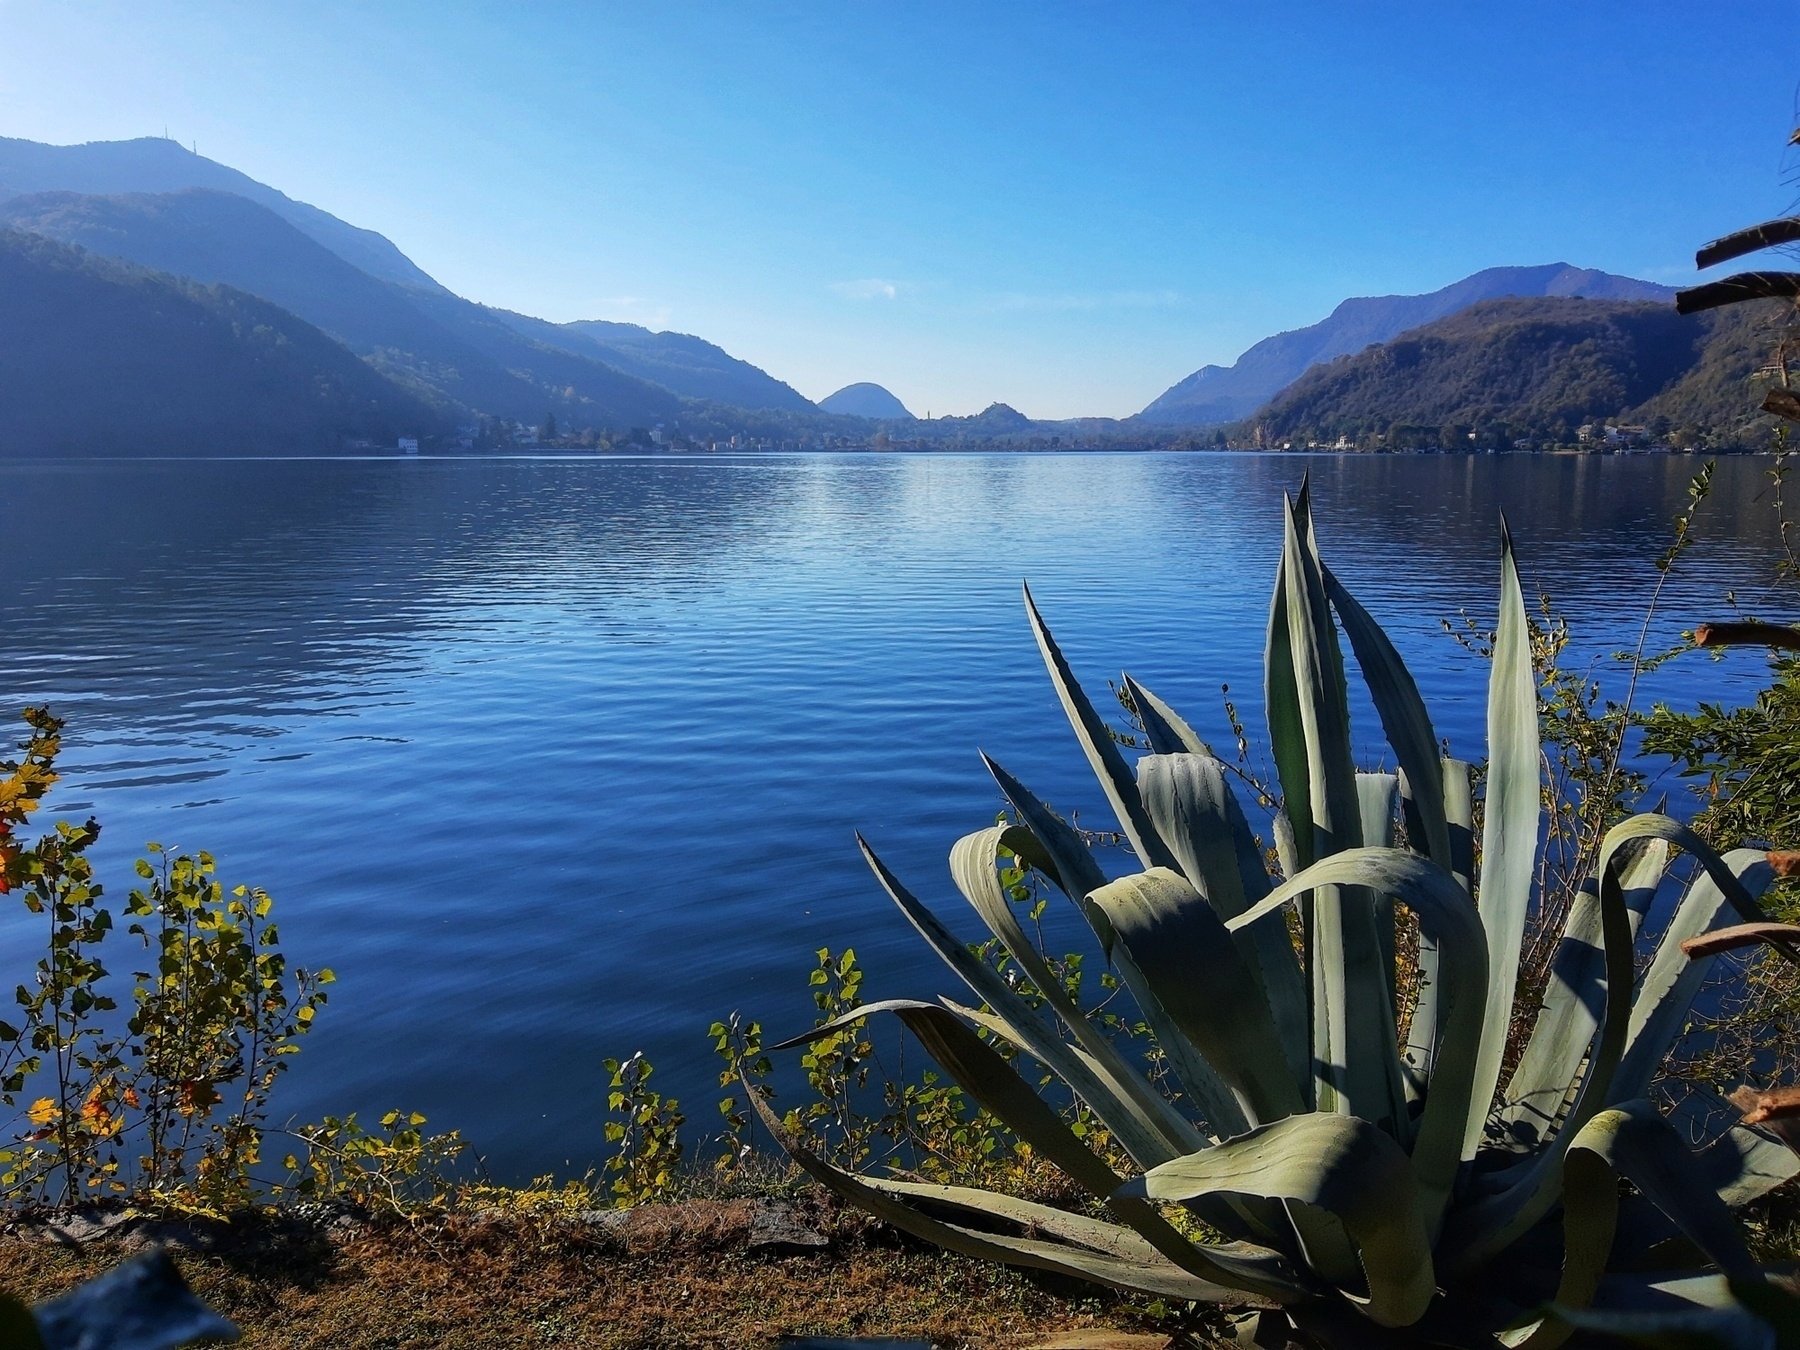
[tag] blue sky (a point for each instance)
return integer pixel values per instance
(1066, 207)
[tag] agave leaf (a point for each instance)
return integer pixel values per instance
(998, 1089)
(1444, 913)
(1509, 835)
(1426, 1027)
(1287, 738)
(1744, 1164)
(1340, 1164)
(1355, 1058)
(1633, 1141)
(1169, 734)
(1074, 870)
(1098, 745)
(1143, 1122)
(1565, 1027)
(973, 863)
(1375, 796)
(1484, 1227)
(1404, 720)
(1668, 988)
(1190, 801)
(1685, 1329)
(1190, 962)
(1158, 1276)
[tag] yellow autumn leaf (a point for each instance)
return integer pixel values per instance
(42, 1111)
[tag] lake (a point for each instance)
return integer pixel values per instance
(560, 758)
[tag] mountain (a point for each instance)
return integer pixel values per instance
(154, 165)
(98, 357)
(444, 346)
(1215, 394)
(690, 366)
(1537, 369)
(866, 400)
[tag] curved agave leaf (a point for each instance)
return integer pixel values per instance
(1488, 1226)
(1145, 1125)
(1376, 794)
(1565, 1027)
(1169, 734)
(1633, 1141)
(997, 1087)
(1445, 914)
(973, 863)
(1192, 965)
(1342, 1165)
(1097, 744)
(1509, 836)
(1404, 720)
(1426, 1027)
(1159, 1276)
(1191, 803)
(1669, 987)
(1688, 1329)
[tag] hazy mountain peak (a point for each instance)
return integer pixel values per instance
(1216, 394)
(153, 164)
(866, 400)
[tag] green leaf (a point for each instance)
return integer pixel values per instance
(1667, 991)
(1487, 1226)
(1565, 1027)
(1376, 794)
(1509, 835)
(1074, 870)
(1190, 802)
(1445, 913)
(1169, 734)
(1189, 960)
(1339, 1164)
(1098, 745)
(1635, 1142)
(1404, 720)
(1146, 1126)
(1426, 1027)
(973, 863)
(997, 1087)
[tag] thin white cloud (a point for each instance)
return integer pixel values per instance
(869, 288)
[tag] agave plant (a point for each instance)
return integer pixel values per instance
(1358, 1184)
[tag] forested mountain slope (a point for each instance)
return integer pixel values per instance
(102, 358)
(1537, 370)
(1216, 394)
(443, 345)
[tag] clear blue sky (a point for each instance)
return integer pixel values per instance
(1066, 207)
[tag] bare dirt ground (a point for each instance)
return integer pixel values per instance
(698, 1273)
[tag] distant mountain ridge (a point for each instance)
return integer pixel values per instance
(153, 203)
(153, 164)
(865, 399)
(436, 342)
(1219, 394)
(688, 365)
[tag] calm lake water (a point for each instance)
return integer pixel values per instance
(557, 759)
